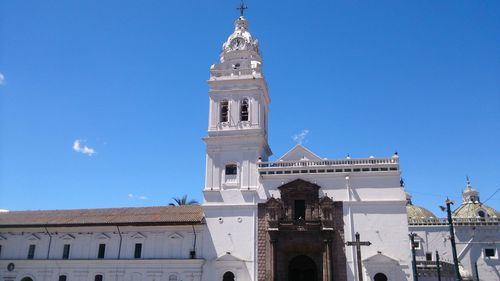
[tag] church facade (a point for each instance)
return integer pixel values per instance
(291, 218)
(301, 217)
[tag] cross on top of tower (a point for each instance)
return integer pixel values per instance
(242, 8)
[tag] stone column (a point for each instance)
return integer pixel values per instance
(272, 257)
(327, 261)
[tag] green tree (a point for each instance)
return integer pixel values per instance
(179, 201)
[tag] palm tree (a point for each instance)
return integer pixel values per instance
(183, 201)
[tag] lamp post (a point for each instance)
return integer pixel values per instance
(452, 239)
(414, 259)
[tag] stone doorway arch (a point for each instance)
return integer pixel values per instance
(379, 277)
(302, 268)
(228, 276)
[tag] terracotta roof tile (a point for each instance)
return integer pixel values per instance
(164, 215)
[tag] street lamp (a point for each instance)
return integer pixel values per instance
(452, 238)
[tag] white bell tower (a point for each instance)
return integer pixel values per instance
(239, 105)
(236, 141)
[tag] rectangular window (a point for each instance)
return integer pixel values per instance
(490, 252)
(138, 251)
(102, 250)
(231, 169)
(0, 250)
(31, 252)
(62, 277)
(428, 256)
(416, 245)
(300, 209)
(65, 254)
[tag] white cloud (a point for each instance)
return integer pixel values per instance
(4, 210)
(139, 197)
(300, 137)
(77, 146)
(2, 79)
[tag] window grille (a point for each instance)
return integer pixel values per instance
(244, 110)
(224, 111)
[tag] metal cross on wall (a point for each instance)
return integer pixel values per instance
(358, 245)
(242, 8)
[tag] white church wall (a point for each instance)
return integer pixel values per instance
(165, 250)
(384, 224)
(232, 234)
(372, 186)
(471, 241)
(117, 270)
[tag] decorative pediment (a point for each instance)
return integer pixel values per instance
(380, 258)
(67, 236)
(386, 265)
(273, 202)
(33, 237)
(326, 201)
(228, 257)
(298, 153)
(138, 235)
(299, 184)
(175, 236)
(103, 236)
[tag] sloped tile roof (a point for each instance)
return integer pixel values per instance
(165, 215)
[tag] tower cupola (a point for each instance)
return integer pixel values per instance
(240, 39)
(470, 194)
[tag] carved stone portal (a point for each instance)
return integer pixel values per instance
(301, 236)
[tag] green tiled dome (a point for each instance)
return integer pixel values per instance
(416, 212)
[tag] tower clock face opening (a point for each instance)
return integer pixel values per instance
(237, 43)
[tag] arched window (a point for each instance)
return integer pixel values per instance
(98, 277)
(27, 279)
(172, 277)
(231, 169)
(380, 277)
(228, 276)
(244, 110)
(224, 111)
(62, 278)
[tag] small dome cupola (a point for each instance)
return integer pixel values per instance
(241, 24)
(470, 195)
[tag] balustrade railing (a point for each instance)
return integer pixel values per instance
(233, 72)
(446, 268)
(231, 179)
(325, 163)
(456, 221)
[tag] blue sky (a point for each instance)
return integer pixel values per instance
(128, 79)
